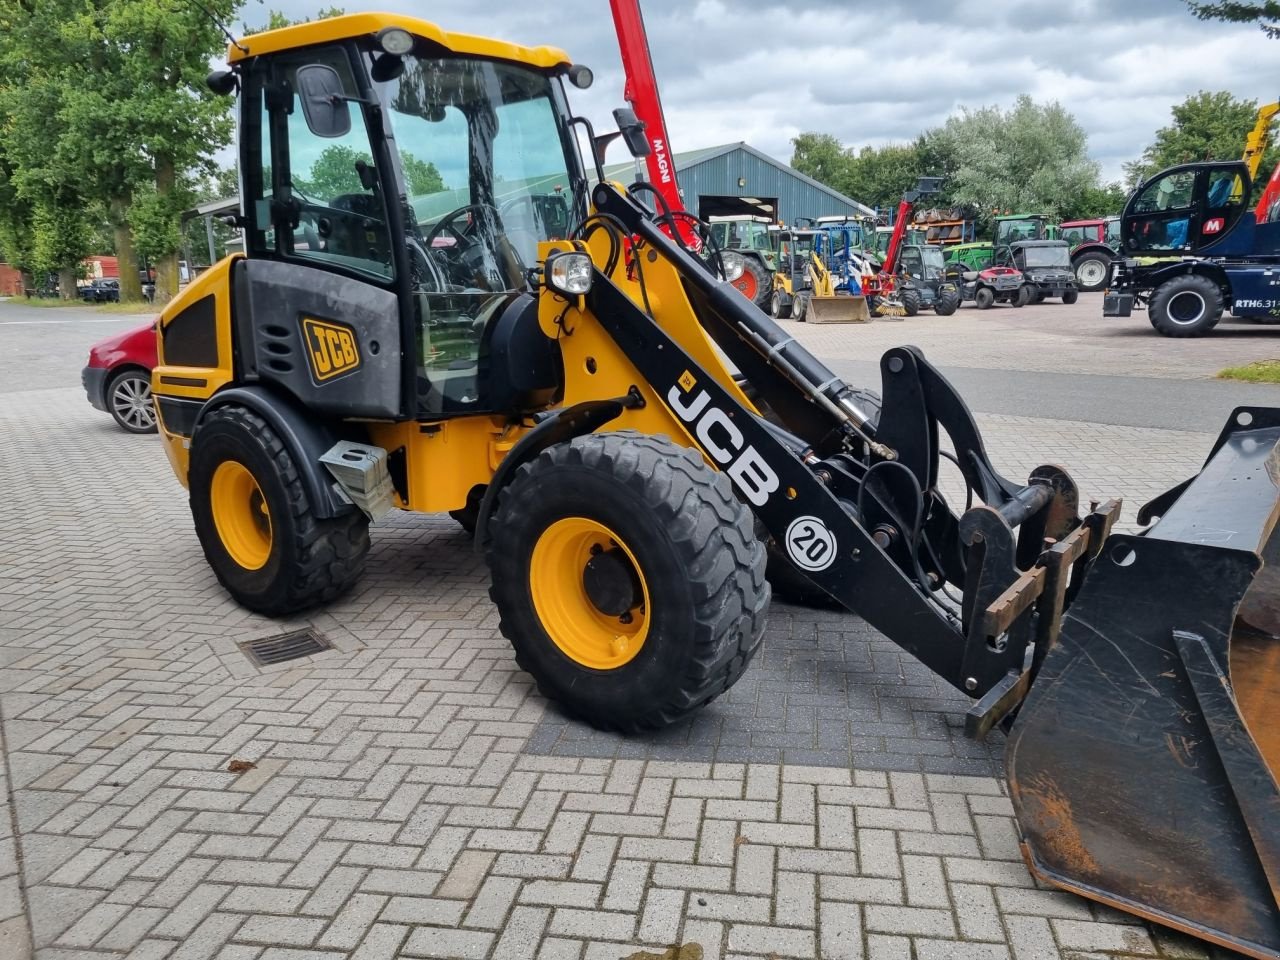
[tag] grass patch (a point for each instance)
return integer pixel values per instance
(1260, 371)
(134, 307)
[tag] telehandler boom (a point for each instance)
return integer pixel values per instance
(466, 321)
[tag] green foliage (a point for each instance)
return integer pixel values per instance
(421, 175)
(1033, 158)
(332, 174)
(60, 236)
(1266, 15)
(1206, 126)
(1096, 202)
(155, 219)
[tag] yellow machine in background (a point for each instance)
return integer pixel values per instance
(803, 285)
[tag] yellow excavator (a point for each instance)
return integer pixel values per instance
(439, 308)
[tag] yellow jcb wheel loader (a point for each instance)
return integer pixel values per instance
(439, 310)
(803, 288)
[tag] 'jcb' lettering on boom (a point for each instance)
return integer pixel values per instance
(722, 439)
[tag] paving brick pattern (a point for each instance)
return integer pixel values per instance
(412, 796)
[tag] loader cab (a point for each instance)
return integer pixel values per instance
(1185, 208)
(395, 197)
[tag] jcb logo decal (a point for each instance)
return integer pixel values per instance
(722, 439)
(331, 347)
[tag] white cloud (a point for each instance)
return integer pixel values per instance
(874, 73)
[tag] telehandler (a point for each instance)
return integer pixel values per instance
(565, 393)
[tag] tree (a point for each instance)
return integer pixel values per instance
(421, 176)
(333, 173)
(1266, 15)
(823, 157)
(1033, 157)
(1206, 126)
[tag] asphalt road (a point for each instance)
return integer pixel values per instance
(1197, 405)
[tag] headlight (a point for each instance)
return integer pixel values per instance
(733, 264)
(395, 41)
(569, 273)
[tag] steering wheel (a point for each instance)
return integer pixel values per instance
(446, 223)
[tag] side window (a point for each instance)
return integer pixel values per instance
(1111, 233)
(1172, 192)
(322, 163)
(1073, 235)
(912, 263)
(1226, 189)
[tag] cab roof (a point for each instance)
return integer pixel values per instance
(352, 25)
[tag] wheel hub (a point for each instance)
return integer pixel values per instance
(611, 582)
(240, 515)
(589, 593)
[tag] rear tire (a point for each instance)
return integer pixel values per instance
(946, 304)
(258, 529)
(984, 297)
(754, 283)
(1093, 270)
(1186, 306)
(697, 598)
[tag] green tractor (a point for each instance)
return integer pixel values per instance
(1008, 230)
(752, 237)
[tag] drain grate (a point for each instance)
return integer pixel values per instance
(287, 646)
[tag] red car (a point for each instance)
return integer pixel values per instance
(118, 377)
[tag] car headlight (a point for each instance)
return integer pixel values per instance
(569, 273)
(733, 265)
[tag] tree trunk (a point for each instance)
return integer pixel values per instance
(167, 265)
(67, 283)
(130, 285)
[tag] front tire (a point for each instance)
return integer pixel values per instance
(129, 400)
(628, 578)
(1186, 306)
(778, 309)
(910, 301)
(258, 530)
(984, 297)
(1070, 296)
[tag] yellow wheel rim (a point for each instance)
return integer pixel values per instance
(240, 515)
(562, 588)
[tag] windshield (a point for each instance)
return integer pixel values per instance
(933, 262)
(1047, 256)
(1023, 228)
(483, 152)
(742, 235)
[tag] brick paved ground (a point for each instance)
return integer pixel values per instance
(413, 796)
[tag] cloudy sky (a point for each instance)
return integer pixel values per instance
(873, 73)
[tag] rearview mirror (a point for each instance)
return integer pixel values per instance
(632, 131)
(324, 103)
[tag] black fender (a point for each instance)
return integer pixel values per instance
(1151, 277)
(306, 438)
(555, 427)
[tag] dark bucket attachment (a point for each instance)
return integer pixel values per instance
(1143, 764)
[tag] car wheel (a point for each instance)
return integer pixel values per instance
(984, 297)
(129, 400)
(1022, 297)
(1186, 306)
(1092, 271)
(1070, 296)
(778, 309)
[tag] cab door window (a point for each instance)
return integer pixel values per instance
(1160, 216)
(327, 206)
